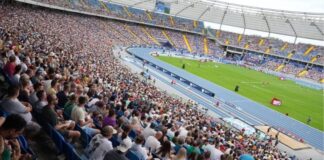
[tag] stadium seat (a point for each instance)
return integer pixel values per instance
(114, 141)
(132, 155)
(132, 134)
(24, 147)
(70, 152)
(85, 137)
(58, 139)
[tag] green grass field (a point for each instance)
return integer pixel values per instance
(300, 102)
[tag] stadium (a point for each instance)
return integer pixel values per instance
(160, 80)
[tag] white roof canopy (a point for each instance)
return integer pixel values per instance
(297, 24)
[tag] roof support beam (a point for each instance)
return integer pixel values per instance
(140, 2)
(244, 23)
(292, 27)
(183, 9)
(203, 13)
(223, 17)
(317, 27)
(266, 20)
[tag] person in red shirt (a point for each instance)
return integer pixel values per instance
(9, 68)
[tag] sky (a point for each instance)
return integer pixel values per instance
(290, 5)
(316, 6)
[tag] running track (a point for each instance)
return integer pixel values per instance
(251, 112)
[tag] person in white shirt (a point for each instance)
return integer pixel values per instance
(137, 147)
(183, 132)
(152, 142)
(215, 153)
(81, 117)
(100, 144)
(149, 131)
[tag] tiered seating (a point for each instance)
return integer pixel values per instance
(71, 56)
(185, 39)
(165, 33)
(138, 32)
(152, 38)
(126, 12)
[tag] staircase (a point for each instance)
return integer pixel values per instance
(321, 80)
(187, 43)
(246, 46)
(227, 42)
(218, 33)
(284, 46)
(280, 67)
(302, 73)
(172, 21)
(127, 12)
(168, 38)
(83, 3)
(290, 55)
(261, 42)
(313, 59)
(239, 38)
(151, 36)
(133, 34)
(195, 24)
(149, 16)
(311, 48)
(104, 6)
(206, 50)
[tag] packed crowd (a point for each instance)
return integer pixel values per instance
(125, 12)
(196, 42)
(62, 72)
(274, 44)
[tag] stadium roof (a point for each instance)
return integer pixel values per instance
(291, 23)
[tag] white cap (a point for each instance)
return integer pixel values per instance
(125, 145)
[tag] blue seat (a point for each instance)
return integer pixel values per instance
(24, 147)
(132, 155)
(58, 139)
(70, 152)
(85, 137)
(114, 141)
(132, 134)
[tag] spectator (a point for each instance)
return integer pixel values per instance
(138, 148)
(181, 155)
(80, 116)
(120, 151)
(63, 95)
(41, 103)
(9, 68)
(164, 152)
(50, 116)
(100, 144)
(110, 119)
(149, 131)
(69, 106)
(152, 142)
(13, 106)
(11, 129)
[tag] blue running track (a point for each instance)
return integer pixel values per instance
(247, 110)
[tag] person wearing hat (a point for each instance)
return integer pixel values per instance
(100, 144)
(138, 148)
(120, 151)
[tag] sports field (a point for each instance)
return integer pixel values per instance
(300, 102)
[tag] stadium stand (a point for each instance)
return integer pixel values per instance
(64, 55)
(308, 54)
